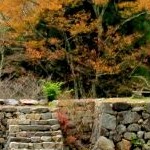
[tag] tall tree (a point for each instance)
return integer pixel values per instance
(80, 41)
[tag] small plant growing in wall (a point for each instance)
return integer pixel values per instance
(51, 90)
(136, 142)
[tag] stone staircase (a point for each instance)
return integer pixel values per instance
(34, 129)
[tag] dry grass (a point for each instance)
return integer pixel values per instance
(23, 87)
(26, 87)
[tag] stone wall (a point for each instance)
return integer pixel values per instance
(101, 124)
(123, 124)
(79, 115)
(29, 127)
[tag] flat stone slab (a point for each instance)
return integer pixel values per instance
(35, 127)
(28, 101)
(12, 102)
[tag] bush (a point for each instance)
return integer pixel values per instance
(51, 89)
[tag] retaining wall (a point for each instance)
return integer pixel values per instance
(124, 122)
(112, 124)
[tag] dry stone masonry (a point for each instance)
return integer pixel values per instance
(124, 125)
(29, 127)
(102, 124)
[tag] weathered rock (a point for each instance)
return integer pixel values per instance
(34, 127)
(147, 107)
(104, 144)
(9, 109)
(133, 127)
(124, 145)
(107, 108)
(146, 147)
(57, 138)
(129, 135)
(146, 124)
(140, 134)
(55, 127)
(20, 139)
(140, 121)
(113, 135)
(33, 116)
(43, 102)
(11, 102)
(36, 139)
(104, 132)
(46, 138)
(1, 115)
(48, 145)
(121, 129)
(108, 121)
(14, 145)
(46, 116)
(8, 115)
(118, 106)
(2, 140)
(147, 135)
(25, 110)
(138, 108)
(22, 134)
(128, 117)
(145, 115)
(28, 101)
(40, 110)
(24, 121)
(14, 128)
(37, 146)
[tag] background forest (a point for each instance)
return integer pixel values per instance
(98, 48)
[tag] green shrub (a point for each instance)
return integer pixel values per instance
(136, 142)
(51, 89)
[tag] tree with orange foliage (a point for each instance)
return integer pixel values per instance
(81, 41)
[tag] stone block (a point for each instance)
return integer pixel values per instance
(147, 135)
(128, 117)
(34, 127)
(48, 145)
(9, 109)
(55, 127)
(35, 139)
(46, 116)
(108, 121)
(134, 127)
(124, 145)
(129, 135)
(40, 109)
(14, 128)
(46, 138)
(121, 106)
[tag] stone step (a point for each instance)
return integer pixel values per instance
(28, 110)
(34, 149)
(36, 139)
(20, 139)
(17, 128)
(42, 145)
(32, 122)
(34, 134)
(45, 122)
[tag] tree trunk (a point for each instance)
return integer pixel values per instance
(76, 88)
